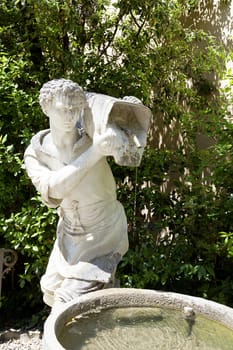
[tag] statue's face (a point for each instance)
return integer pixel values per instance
(65, 112)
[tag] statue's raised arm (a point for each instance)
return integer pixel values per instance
(67, 165)
(127, 118)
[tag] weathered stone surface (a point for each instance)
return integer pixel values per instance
(68, 166)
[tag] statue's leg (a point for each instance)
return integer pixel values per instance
(49, 284)
(51, 280)
(72, 288)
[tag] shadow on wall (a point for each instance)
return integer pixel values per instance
(215, 18)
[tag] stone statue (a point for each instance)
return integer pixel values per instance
(67, 165)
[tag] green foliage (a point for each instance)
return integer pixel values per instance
(228, 243)
(31, 232)
(10, 174)
(180, 198)
(176, 244)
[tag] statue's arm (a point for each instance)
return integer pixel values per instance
(55, 185)
(40, 175)
(62, 181)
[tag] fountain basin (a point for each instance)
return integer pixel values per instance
(136, 319)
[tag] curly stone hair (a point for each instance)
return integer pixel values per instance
(59, 87)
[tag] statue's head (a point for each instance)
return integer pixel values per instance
(61, 91)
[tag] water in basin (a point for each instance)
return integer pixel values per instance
(137, 328)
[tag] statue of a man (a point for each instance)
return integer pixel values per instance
(67, 165)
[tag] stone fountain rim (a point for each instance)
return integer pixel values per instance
(126, 297)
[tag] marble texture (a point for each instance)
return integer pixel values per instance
(67, 164)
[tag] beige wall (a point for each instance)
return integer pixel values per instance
(214, 17)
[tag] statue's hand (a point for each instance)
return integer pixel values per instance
(111, 141)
